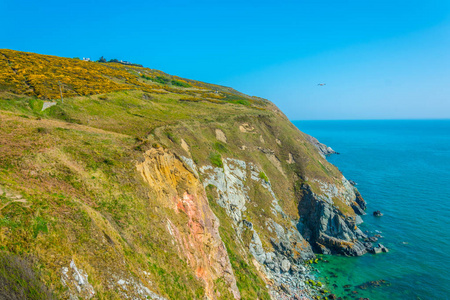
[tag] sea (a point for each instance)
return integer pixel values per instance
(402, 168)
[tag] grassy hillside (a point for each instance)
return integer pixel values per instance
(73, 169)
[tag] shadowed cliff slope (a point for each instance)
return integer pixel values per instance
(148, 186)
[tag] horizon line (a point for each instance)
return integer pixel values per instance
(405, 119)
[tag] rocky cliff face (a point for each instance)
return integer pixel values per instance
(327, 228)
(280, 261)
(197, 239)
(280, 211)
(160, 191)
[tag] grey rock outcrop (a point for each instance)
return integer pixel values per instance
(327, 229)
(256, 249)
(323, 149)
(359, 199)
(285, 265)
(284, 262)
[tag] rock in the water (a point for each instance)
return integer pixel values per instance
(378, 249)
(352, 182)
(368, 245)
(377, 213)
(373, 239)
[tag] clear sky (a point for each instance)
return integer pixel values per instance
(379, 59)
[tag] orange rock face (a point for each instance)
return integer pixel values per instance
(198, 240)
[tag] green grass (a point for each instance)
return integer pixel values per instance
(176, 284)
(263, 176)
(40, 225)
(216, 159)
(87, 189)
(165, 80)
(171, 136)
(220, 147)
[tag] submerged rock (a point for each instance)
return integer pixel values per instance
(373, 284)
(373, 239)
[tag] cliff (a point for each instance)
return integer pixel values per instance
(143, 185)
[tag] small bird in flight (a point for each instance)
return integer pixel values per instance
(321, 84)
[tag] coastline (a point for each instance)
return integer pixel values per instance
(396, 165)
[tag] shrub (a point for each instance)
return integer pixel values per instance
(180, 83)
(158, 79)
(216, 159)
(263, 176)
(220, 147)
(161, 79)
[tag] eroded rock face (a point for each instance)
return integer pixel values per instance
(326, 227)
(178, 188)
(282, 263)
(279, 248)
(229, 182)
(77, 281)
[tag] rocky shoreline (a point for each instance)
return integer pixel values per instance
(363, 243)
(323, 149)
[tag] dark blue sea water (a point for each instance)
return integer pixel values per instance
(402, 168)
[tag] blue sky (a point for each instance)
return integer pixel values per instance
(379, 59)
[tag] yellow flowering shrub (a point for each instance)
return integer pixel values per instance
(42, 76)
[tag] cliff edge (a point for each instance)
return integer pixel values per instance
(144, 185)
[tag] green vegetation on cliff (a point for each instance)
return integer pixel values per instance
(70, 195)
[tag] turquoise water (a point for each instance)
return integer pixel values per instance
(402, 169)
